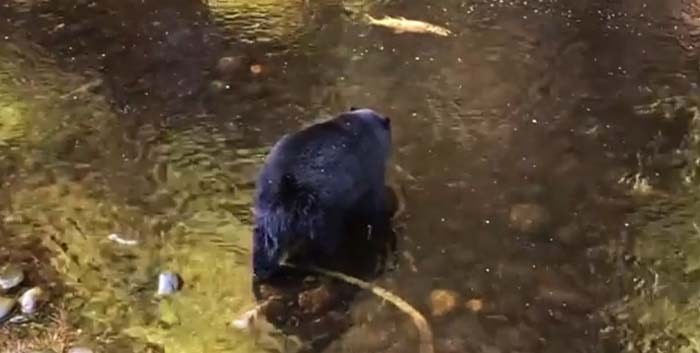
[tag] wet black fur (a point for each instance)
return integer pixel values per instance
(314, 182)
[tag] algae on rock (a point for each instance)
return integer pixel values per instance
(660, 313)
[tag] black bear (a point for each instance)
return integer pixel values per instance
(313, 181)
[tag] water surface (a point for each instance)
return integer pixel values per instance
(118, 116)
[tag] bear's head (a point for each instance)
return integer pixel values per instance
(378, 124)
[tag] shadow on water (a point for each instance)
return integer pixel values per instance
(517, 142)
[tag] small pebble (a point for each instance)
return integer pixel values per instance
(168, 283)
(474, 305)
(315, 301)
(6, 307)
(442, 301)
(256, 69)
(31, 299)
(10, 276)
(228, 64)
(217, 86)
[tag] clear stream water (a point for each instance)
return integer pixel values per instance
(117, 116)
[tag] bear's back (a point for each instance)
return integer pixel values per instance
(314, 180)
(335, 159)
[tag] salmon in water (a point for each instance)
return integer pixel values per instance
(404, 25)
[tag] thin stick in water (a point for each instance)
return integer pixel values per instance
(425, 334)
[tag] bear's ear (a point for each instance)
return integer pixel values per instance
(386, 122)
(352, 109)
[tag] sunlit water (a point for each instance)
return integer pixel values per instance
(117, 117)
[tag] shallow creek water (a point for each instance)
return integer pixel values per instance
(119, 116)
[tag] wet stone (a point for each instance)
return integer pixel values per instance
(474, 305)
(274, 310)
(268, 291)
(315, 301)
(256, 69)
(443, 302)
(10, 276)
(228, 65)
(31, 300)
(6, 307)
(168, 283)
(217, 86)
(529, 218)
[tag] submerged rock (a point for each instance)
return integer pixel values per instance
(474, 305)
(6, 307)
(274, 309)
(443, 301)
(31, 300)
(168, 283)
(228, 65)
(217, 86)
(529, 218)
(10, 276)
(315, 301)
(256, 69)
